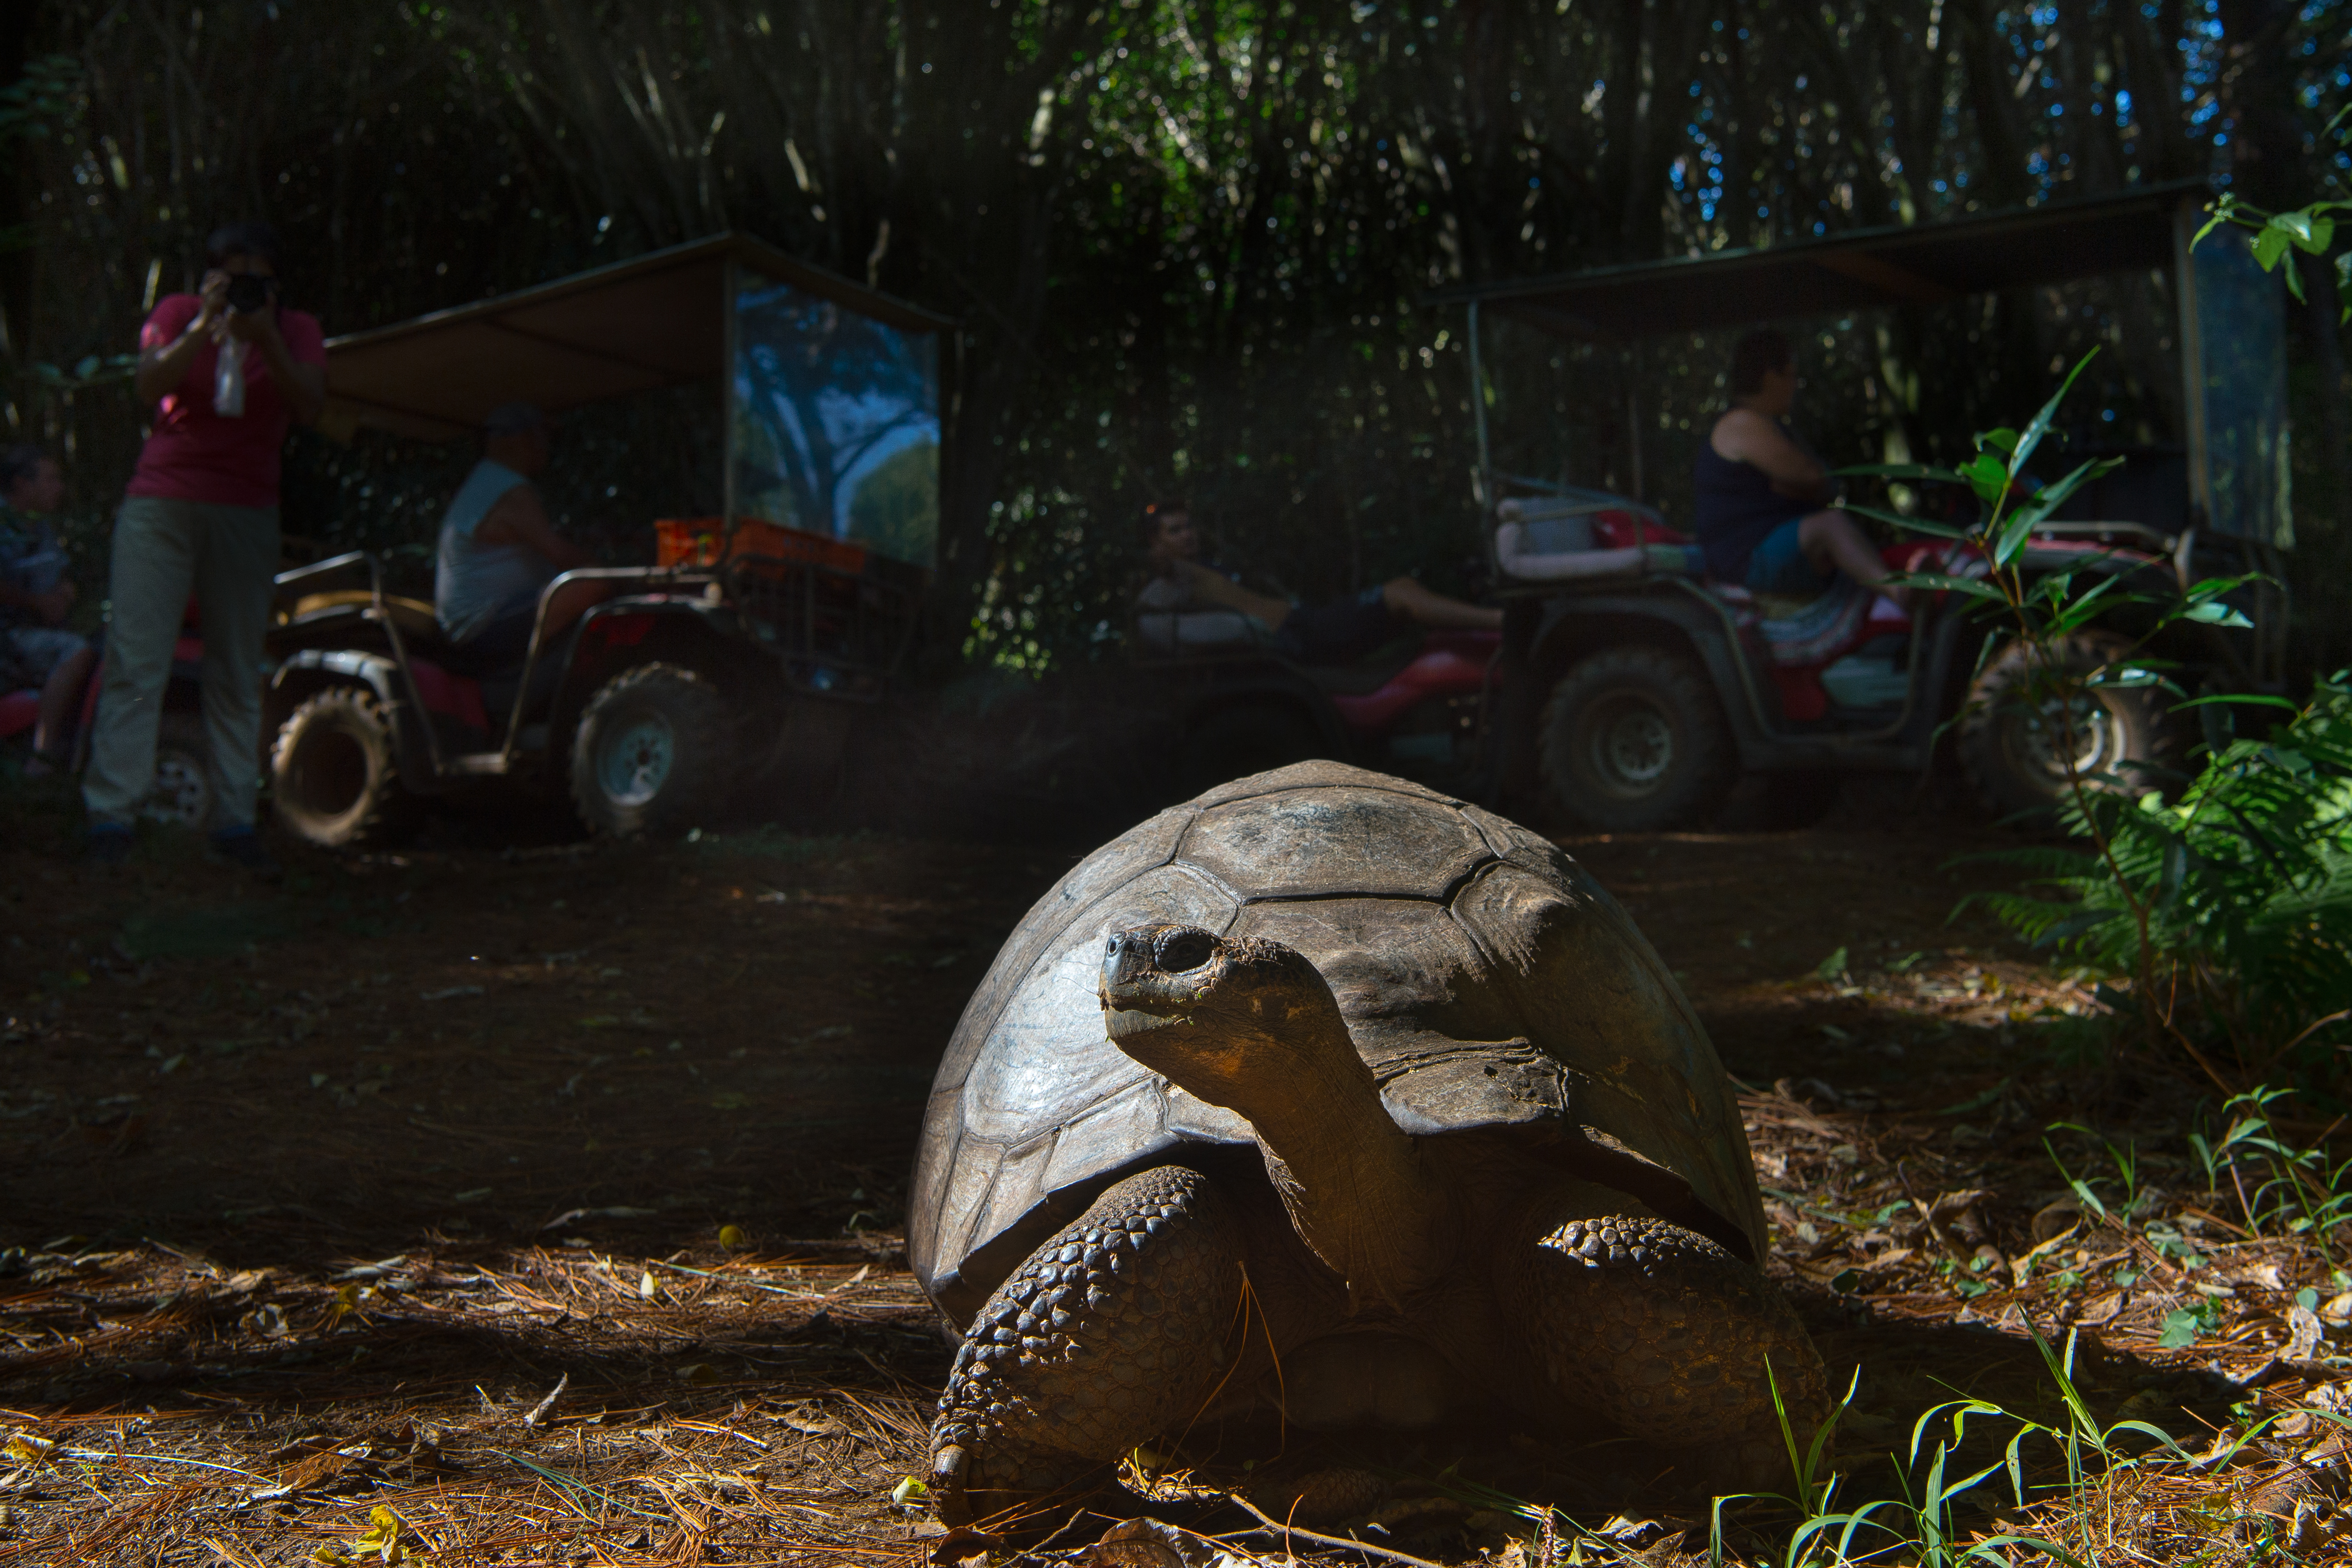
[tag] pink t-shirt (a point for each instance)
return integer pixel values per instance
(195, 454)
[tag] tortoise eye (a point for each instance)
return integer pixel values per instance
(1184, 950)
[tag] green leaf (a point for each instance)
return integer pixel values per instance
(2224, 211)
(2013, 535)
(1830, 967)
(1941, 583)
(2239, 697)
(2179, 1331)
(2311, 232)
(2049, 497)
(1987, 477)
(1911, 525)
(2214, 612)
(2039, 426)
(1903, 471)
(2004, 438)
(2079, 610)
(2270, 244)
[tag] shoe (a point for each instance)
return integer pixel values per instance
(106, 845)
(241, 847)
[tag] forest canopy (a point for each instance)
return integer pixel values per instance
(1190, 242)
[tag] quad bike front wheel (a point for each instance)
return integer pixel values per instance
(182, 791)
(2022, 743)
(334, 773)
(655, 753)
(1633, 740)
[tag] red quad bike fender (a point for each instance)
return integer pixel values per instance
(1450, 663)
(21, 710)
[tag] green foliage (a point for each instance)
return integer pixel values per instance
(1921, 1526)
(2310, 229)
(2282, 1187)
(39, 103)
(2230, 906)
(2232, 902)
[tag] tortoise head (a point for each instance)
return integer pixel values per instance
(1232, 1020)
(1253, 1026)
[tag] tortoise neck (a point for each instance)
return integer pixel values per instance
(1356, 1188)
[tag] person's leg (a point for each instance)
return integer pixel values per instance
(154, 561)
(1834, 539)
(572, 601)
(1418, 604)
(234, 587)
(60, 694)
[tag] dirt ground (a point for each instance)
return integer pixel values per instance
(541, 1205)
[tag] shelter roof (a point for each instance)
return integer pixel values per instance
(656, 320)
(1910, 263)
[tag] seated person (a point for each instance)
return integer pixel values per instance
(498, 550)
(1312, 635)
(34, 596)
(1759, 515)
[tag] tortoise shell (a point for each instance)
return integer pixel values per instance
(1486, 980)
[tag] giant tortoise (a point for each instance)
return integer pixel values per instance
(1326, 1093)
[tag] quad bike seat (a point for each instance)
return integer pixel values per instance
(1589, 538)
(322, 611)
(1175, 633)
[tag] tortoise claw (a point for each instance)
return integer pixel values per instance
(947, 1487)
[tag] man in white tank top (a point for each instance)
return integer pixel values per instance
(498, 550)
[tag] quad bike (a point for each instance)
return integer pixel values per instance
(700, 676)
(1635, 692)
(1665, 686)
(740, 658)
(182, 790)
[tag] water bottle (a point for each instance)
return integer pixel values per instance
(228, 379)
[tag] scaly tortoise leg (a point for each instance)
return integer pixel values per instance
(1666, 1334)
(1114, 1330)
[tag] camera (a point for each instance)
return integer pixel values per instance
(248, 292)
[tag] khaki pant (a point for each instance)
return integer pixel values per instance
(162, 550)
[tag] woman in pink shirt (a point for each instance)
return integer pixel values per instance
(200, 515)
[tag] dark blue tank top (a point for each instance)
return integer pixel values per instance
(1736, 507)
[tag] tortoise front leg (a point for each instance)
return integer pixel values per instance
(1114, 1330)
(1666, 1334)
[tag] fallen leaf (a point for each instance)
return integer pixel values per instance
(27, 1449)
(813, 1419)
(2304, 1333)
(2100, 1310)
(2266, 1275)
